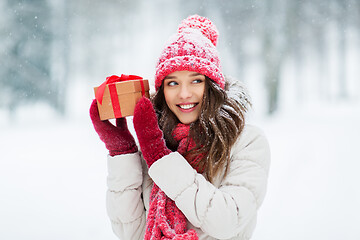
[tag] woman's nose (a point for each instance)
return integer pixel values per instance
(185, 92)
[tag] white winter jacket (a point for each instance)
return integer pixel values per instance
(225, 209)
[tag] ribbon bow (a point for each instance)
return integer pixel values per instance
(112, 79)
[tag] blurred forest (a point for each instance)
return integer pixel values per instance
(288, 52)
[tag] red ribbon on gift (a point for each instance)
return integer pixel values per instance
(110, 81)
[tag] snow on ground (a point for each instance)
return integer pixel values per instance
(53, 177)
(52, 181)
(312, 191)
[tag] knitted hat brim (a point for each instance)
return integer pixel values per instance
(189, 63)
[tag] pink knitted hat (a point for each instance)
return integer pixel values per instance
(193, 48)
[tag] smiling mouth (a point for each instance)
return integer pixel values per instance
(187, 106)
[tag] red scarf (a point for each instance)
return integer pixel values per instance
(165, 221)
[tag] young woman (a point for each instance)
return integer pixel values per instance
(201, 172)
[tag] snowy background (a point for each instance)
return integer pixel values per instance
(53, 166)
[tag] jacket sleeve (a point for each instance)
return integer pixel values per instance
(124, 202)
(222, 212)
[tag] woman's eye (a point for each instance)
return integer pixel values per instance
(198, 81)
(172, 83)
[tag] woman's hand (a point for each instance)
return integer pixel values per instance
(118, 140)
(150, 136)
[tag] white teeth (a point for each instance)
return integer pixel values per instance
(187, 106)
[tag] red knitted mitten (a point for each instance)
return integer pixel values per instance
(150, 136)
(118, 140)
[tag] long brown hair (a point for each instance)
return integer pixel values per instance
(221, 121)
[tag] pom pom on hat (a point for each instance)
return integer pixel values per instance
(207, 28)
(193, 48)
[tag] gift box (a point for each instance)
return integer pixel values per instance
(117, 96)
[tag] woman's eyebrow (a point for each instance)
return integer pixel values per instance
(169, 77)
(191, 75)
(195, 74)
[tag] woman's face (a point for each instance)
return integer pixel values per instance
(184, 91)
